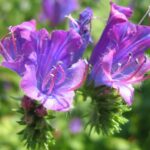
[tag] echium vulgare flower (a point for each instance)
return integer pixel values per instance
(14, 47)
(56, 10)
(83, 27)
(118, 59)
(55, 74)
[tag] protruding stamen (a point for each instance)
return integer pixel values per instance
(5, 53)
(14, 41)
(52, 83)
(138, 69)
(121, 67)
(49, 79)
(72, 19)
(63, 75)
(59, 62)
(119, 64)
(137, 61)
(45, 82)
(147, 13)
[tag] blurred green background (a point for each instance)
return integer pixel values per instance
(135, 135)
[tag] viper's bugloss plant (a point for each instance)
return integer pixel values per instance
(51, 67)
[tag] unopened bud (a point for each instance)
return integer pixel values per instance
(27, 103)
(41, 111)
(28, 119)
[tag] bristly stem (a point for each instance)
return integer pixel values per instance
(107, 111)
(37, 133)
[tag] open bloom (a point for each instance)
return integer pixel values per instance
(118, 59)
(14, 47)
(56, 10)
(55, 73)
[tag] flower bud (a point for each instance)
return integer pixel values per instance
(29, 119)
(27, 103)
(41, 111)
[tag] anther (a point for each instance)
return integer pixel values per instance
(63, 75)
(119, 64)
(137, 61)
(130, 54)
(59, 62)
(145, 59)
(52, 75)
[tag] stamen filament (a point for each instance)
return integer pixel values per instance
(147, 13)
(138, 69)
(52, 79)
(14, 42)
(63, 75)
(120, 69)
(5, 52)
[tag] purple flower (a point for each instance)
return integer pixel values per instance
(83, 27)
(55, 74)
(118, 59)
(56, 10)
(118, 14)
(75, 125)
(14, 47)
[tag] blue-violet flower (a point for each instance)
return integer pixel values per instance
(55, 74)
(14, 47)
(118, 59)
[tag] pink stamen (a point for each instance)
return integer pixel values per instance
(14, 42)
(138, 69)
(140, 80)
(45, 82)
(63, 75)
(5, 51)
(52, 83)
(49, 79)
(120, 69)
(72, 19)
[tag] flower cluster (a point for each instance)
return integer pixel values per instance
(51, 65)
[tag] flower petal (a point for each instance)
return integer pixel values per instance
(29, 82)
(129, 38)
(76, 75)
(83, 27)
(126, 91)
(24, 28)
(15, 47)
(101, 72)
(118, 14)
(61, 101)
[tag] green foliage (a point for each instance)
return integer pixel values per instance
(107, 110)
(37, 131)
